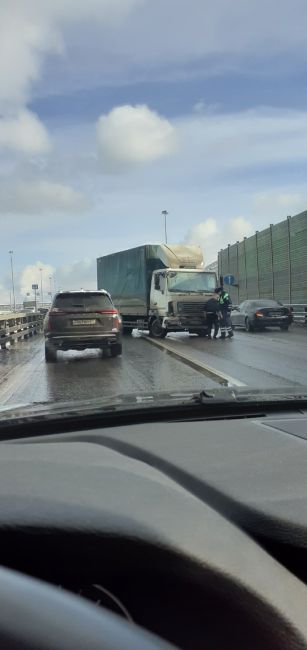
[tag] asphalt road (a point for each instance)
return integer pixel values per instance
(265, 359)
(25, 377)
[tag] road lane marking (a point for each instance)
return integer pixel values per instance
(209, 371)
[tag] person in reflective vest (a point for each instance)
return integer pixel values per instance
(225, 310)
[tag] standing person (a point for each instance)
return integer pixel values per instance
(225, 303)
(212, 309)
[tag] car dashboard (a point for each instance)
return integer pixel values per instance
(194, 530)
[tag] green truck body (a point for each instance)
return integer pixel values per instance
(127, 276)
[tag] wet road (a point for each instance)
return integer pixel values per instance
(25, 377)
(264, 359)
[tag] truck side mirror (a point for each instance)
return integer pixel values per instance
(157, 281)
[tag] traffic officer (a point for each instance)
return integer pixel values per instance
(212, 309)
(225, 310)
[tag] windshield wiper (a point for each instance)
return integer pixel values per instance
(251, 395)
(220, 403)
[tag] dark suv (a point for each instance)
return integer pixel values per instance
(82, 319)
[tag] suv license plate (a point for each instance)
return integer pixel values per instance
(84, 322)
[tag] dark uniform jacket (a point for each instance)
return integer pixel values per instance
(212, 306)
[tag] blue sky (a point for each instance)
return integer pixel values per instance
(113, 110)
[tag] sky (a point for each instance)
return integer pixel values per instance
(114, 110)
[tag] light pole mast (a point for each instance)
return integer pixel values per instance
(42, 295)
(13, 282)
(165, 213)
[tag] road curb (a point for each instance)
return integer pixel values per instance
(221, 377)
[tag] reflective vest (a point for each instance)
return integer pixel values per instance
(224, 299)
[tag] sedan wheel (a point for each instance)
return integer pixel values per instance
(248, 326)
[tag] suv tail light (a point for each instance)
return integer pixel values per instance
(109, 312)
(116, 320)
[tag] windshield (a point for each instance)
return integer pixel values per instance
(153, 200)
(180, 281)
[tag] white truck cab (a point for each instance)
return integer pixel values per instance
(178, 297)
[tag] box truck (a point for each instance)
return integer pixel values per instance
(158, 287)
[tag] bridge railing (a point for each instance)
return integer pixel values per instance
(18, 326)
(21, 307)
(299, 313)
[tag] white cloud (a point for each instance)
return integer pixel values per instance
(131, 135)
(278, 204)
(41, 197)
(4, 295)
(25, 35)
(202, 107)
(30, 30)
(212, 236)
(31, 275)
(78, 275)
(171, 39)
(24, 133)
(97, 10)
(224, 142)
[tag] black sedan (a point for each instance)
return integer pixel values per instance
(258, 314)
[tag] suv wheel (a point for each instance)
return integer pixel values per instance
(50, 354)
(116, 349)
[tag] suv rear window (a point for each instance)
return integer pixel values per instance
(84, 301)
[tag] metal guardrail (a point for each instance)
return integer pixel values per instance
(299, 313)
(21, 307)
(19, 326)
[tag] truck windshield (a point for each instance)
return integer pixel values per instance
(198, 282)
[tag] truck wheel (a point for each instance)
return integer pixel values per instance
(127, 331)
(50, 354)
(156, 331)
(116, 350)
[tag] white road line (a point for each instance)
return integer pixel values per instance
(217, 375)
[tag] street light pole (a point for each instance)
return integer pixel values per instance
(13, 283)
(165, 213)
(42, 295)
